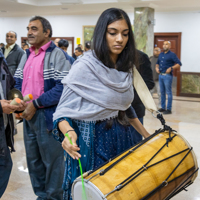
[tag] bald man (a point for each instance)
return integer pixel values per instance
(56, 41)
(167, 62)
(12, 52)
(154, 60)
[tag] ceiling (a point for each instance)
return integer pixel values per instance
(19, 8)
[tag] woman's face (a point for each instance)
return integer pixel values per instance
(117, 37)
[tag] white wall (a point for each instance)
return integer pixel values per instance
(189, 25)
(71, 26)
(63, 26)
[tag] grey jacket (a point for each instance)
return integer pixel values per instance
(14, 57)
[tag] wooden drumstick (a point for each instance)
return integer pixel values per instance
(28, 97)
(15, 101)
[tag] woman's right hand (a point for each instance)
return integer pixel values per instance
(71, 149)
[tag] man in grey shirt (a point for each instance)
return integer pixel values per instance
(153, 60)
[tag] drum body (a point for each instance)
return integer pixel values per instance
(175, 162)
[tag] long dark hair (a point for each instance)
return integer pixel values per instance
(127, 58)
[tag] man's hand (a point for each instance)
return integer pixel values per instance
(7, 108)
(22, 106)
(29, 112)
(157, 70)
(168, 70)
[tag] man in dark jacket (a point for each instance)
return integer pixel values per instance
(147, 75)
(63, 44)
(6, 124)
(12, 52)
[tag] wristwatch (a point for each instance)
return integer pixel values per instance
(171, 68)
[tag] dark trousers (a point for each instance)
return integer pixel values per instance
(45, 158)
(5, 169)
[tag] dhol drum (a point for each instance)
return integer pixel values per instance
(157, 168)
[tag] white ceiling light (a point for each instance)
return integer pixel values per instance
(64, 8)
(71, 2)
(99, 1)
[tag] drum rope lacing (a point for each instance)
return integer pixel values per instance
(181, 187)
(165, 182)
(142, 169)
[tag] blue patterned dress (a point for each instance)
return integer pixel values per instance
(97, 145)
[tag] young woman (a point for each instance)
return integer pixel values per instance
(98, 86)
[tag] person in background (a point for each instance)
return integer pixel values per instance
(63, 44)
(87, 46)
(81, 46)
(167, 62)
(13, 53)
(56, 41)
(23, 43)
(80, 49)
(40, 73)
(26, 46)
(153, 60)
(78, 52)
(2, 47)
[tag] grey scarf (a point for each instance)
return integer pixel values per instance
(93, 91)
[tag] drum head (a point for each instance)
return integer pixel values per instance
(92, 192)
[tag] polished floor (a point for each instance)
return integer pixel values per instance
(185, 119)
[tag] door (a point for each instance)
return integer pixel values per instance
(175, 39)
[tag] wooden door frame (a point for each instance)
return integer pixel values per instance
(53, 38)
(174, 34)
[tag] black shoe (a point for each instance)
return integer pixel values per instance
(167, 112)
(161, 110)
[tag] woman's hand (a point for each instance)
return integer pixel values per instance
(146, 134)
(71, 149)
(139, 127)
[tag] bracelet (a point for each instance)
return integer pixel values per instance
(68, 132)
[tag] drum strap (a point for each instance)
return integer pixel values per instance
(143, 91)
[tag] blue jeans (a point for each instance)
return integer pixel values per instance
(45, 158)
(165, 82)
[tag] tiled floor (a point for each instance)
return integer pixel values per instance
(185, 119)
